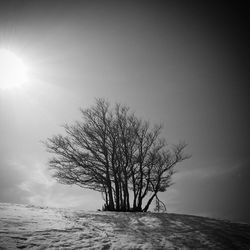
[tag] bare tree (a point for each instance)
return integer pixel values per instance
(111, 151)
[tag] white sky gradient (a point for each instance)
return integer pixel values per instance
(180, 65)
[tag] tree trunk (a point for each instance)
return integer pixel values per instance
(117, 193)
(111, 206)
(145, 209)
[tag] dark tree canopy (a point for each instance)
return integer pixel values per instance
(112, 151)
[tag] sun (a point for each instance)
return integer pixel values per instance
(13, 72)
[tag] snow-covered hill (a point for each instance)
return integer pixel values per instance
(30, 227)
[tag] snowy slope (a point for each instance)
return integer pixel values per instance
(30, 227)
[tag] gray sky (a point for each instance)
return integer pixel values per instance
(178, 64)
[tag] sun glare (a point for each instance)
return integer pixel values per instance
(13, 72)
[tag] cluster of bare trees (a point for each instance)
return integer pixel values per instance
(112, 151)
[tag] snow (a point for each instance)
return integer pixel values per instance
(32, 227)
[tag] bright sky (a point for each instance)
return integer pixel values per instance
(181, 65)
